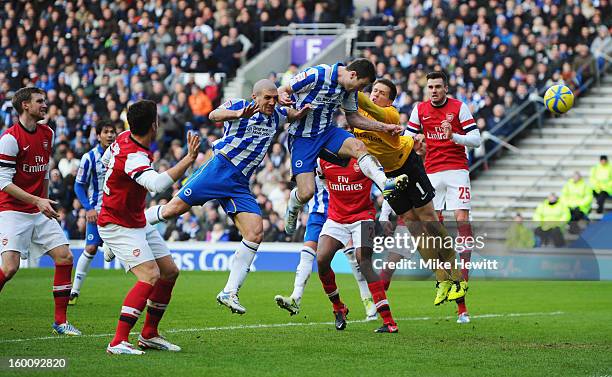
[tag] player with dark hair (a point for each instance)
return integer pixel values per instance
(449, 129)
(88, 189)
(123, 227)
(412, 203)
(327, 88)
(27, 217)
(350, 205)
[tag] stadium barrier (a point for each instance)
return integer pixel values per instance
(541, 264)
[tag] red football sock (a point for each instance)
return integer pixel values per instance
(133, 305)
(3, 279)
(377, 289)
(156, 307)
(61, 291)
(329, 286)
(461, 307)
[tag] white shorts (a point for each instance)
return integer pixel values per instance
(30, 234)
(345, 232)
(452, 190)
(134, 246)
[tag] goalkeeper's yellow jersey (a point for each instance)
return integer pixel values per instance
(392, 151)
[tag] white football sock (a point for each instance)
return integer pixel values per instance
(154, 214)
(81, 271)
(295, 204)
(303, 271)
(241, 265)
(372, 169)
(364, 291)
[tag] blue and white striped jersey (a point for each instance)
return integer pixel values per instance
(246, 141)
(319, 87)
(91, 174)
(320, 200)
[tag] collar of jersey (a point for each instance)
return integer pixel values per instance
(25, 129)
(442, 105)
(137, 143)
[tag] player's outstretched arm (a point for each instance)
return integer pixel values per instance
(365, 103)
(293, 114)
(221, 114)
(138, 167)
(356, 120)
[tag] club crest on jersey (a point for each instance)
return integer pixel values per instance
(45, 145)
(450, 117)
(136, 252)
(356, 167)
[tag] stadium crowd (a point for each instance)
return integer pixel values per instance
(94, 60)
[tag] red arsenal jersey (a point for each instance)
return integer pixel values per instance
(442, 154)
(349, 193)
(25, 156)
(124, 199)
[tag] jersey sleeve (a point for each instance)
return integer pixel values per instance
(414, 123)
(466, 119)
(283, 114)
(84, 171)
(304, 81)
(136, 164)
(8, 159)
(392, 115)
(350, 102)
(234, 104)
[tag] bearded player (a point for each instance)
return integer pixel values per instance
(413, 203)
(27, 219)
(449, 129)
(123, 227)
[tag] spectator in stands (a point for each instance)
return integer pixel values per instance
(551, 217)
(601, 182)
(518, 236)
(577, 196)
(200, 105)
(602, 45)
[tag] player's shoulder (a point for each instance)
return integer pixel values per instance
(234, 103)
(455, 103)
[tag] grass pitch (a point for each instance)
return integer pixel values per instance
(521, 328)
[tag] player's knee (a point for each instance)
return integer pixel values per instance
(306, 192)
(358, 147)
(462, 216)
(91, 249)
(10, 270)
(170, 274)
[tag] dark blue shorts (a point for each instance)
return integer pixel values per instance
(92, 237)
(314, 226)
(219, 179)
(305, 150)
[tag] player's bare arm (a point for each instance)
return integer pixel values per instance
(357, 120)
(293, 114)
(44, 205)
(420, 147)
(221, 114)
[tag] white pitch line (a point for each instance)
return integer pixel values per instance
(290, 324)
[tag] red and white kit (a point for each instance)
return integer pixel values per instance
(24, 161)
(350, 201)
(121, 223)
(446, 160)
